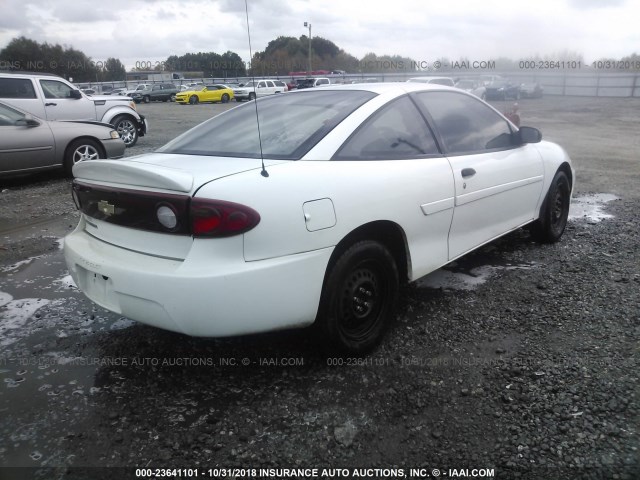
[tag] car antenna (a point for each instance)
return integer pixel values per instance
(264, 172)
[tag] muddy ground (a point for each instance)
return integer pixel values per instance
(519, 358)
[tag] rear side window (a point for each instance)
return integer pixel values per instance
(397, 131)
(465, 124)
(16, 88)
(9, 116)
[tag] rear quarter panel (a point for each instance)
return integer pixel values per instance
(553, 156)
(361, 192)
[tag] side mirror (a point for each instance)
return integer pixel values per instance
(27, 121)
(529, 135)
(77, 94)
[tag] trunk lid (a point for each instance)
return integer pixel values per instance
(120, 198)
(165, 171)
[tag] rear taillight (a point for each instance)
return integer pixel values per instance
(217, 218)
(163, 212)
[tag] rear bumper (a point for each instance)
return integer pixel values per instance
(211, 293)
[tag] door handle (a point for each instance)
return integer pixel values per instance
(468, 172)
(50, 104)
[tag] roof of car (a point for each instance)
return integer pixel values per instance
(387, 87)
(427, 78)
(20, 72)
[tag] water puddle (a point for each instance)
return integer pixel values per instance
(591, 207)
(42, 315)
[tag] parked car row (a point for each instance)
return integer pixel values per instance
(487, 87)
(501, 88)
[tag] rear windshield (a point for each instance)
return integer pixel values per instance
(290, 125)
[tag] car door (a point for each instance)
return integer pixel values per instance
(212, 94)
(156, 92)
(263, 89)
(23, 145)
(59, 104)
(395, 157)
(498, 180)
(271, 87)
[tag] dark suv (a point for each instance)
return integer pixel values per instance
(159, 92)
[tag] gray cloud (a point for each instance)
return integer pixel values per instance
(156, 29)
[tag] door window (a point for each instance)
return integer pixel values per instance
(55, 89)
(465, 124)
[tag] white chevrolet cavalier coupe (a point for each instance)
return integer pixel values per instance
(315, 212)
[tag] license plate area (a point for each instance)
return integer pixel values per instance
(98, 288)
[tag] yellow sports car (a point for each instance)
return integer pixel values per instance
(208, 93)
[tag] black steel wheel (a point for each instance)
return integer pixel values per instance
(359, 298)
(225, 98)
(555, 212)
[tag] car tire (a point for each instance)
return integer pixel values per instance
(225, 98)
(172, 98)
(555, 211)
(359, 298)
(127, 128)
(146, 99)
(252, 96)
(79, 150)
(193, 99)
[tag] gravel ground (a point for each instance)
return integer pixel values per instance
(532, 373)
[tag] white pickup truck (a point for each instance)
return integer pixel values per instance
(53, 98)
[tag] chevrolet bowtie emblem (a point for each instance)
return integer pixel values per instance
(106, 208)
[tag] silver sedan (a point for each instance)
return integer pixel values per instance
(30, 144)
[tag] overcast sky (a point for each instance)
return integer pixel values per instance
(425, 30)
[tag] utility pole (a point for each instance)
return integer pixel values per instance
(308, 24)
